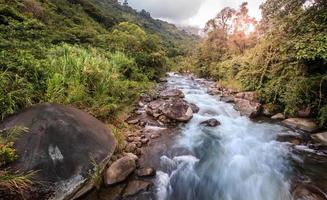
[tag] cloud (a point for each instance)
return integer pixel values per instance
(191, 12)
(175, 10)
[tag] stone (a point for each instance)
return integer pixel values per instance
(247, 107)
(320, 138)
(178, 110)
(120, 170)
(155, 135)
(60, 137)
(136, 186)
(250, 96)
(305, 124)
(138, 144)
(194, 108)
(227, 99)
(130, 147)
(144, 140)
(211, 123)
(278, 116)
(308, 192)
(131, 155)
(134, 121)
(172, 93)
(144, 172)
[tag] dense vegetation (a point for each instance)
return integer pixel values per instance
(283, 57)
(96, 55)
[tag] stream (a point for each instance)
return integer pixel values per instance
(238, 160)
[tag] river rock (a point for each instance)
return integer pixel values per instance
(247, 107)
(178, 109)
(60, 144)
(227, 99)
(308, 192)
(172, 93)
(250, 96)
(194, 108)
(320, 138)
(211, 123)
(148, 171)
(120, 170)
(278, 116)
(136, 186)
(305, 124)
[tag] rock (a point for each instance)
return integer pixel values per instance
(133, 121)
(148, 171)
(58, 145)
(178, 110)
(120, 170)
(144, 140)
(138, 144)
(250, 96)
(136, 186)
(247, 107)
(211, 123)
(320, 138)
(278, 116)
(155, 135)
(194, 108)
(308, 192)
(164, 119)
(130, 147)
(308, 125)
(133, 156)
(172, 93)
(227, 99)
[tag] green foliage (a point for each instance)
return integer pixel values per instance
(323, 116)
(96, 174)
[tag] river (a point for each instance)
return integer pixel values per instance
(238, 160)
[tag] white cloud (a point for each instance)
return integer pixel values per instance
(191, 12)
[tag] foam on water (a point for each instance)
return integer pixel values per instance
(238, 160)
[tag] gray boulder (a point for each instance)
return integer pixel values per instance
(194, 108)
(120, 170)
(172, 93)
(178, 109)
(247, 107)
(60, 145)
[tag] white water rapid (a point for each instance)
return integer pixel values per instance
(238, 160)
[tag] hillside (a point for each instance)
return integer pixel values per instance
(31, 31)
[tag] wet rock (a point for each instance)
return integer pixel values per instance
(227, 99)
(120, 170)
(155, 135)
(247, 107)
(194, 108)
(178, 109)
(278, 116)
(148, 171)
(60, 137)
(320, 138)
(211, 123)
(305, 124)
(172, 93)
(136, 186)
(308, 192)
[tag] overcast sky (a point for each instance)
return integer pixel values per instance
(191, 12)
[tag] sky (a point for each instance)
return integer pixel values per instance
(191, 12)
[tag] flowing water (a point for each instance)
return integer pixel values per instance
(238, 160)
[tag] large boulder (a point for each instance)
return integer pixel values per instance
(320, 138)
(305, 124)
(60, 145)
(247, 107)
(178, 109)
(120, 170)
(172, 93)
